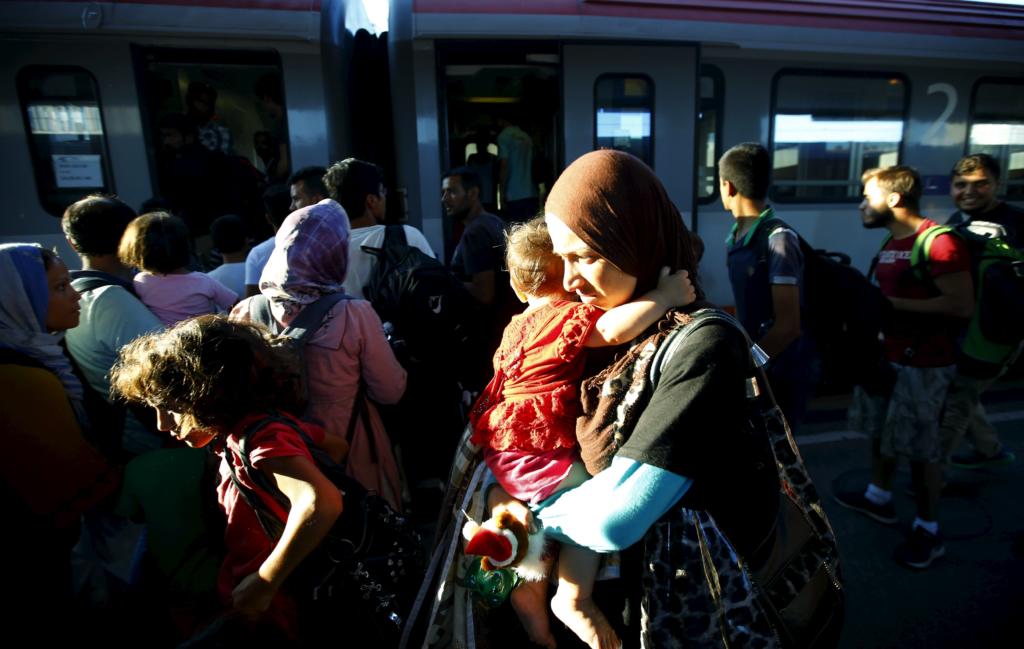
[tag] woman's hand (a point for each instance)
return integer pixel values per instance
(252, 596)
(674, 289)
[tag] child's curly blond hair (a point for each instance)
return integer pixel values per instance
(212, 370)
(533, 267)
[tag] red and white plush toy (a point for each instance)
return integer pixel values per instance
(504, 541)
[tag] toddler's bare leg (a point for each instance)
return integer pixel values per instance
(530, 602)
(573, 604)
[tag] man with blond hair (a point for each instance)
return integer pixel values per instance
(930, 307)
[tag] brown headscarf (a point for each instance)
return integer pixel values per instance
(619, 208)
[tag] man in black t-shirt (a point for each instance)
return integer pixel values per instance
(479, 261)
(974, 188)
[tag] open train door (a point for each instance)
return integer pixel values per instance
(638, 98)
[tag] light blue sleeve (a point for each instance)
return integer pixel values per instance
(615, 508)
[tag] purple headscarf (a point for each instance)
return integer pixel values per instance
(310, 259)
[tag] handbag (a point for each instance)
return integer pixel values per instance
(368, 566)
(788, 592)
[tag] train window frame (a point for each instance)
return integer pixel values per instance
(652, 97)
(55, 200)
(841, 73)
(971, 115)
(142, 55)
(718, 97)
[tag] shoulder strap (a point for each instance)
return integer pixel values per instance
(920, 253)
(311, 317)
(271, 526)
(757, 385)
(259, 311)
(394, 234)
(700, 318)
(764, 231)
(83, 284)
(304, 325)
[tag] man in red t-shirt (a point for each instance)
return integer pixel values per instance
(920, 343)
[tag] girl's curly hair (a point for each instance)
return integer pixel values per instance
(212, 370)
(533, 267)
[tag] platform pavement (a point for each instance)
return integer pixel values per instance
(974, 596)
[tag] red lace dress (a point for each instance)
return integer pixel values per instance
(525, 419)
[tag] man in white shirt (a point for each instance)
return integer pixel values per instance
(359, 187)
(230, 239)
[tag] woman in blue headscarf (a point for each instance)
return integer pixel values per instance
(50, 474)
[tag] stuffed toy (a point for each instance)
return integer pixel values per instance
(504, 541)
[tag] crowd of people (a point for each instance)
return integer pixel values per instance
(932, 297)
(150, 395)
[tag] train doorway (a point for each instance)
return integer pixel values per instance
(500, 108)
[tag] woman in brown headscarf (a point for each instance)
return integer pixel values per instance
(691, 455)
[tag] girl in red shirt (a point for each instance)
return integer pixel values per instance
(525, 419)
(214, 382)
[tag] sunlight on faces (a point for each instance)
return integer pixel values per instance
(974, 192)
(180, 427)
(62, 309)
(593, 278)
(456, 199)
(301, 196)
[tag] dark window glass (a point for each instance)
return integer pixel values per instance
(216, 131)
(61, 110)
(828, 128)
(709, 125)
(997, 128)
(624, 113)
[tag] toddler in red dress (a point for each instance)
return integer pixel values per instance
(525, 419)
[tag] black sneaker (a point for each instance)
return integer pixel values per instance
(858, 502)
(973, 460)
(920, 550)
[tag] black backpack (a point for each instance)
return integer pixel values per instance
(368, 567)
(430, 311)
(301, 329)
(843, 311)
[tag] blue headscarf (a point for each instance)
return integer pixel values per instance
(23, 307)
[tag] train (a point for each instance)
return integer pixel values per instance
(831, 88)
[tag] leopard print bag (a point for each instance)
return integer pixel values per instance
(699, 592)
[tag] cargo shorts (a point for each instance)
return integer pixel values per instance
(906, 422)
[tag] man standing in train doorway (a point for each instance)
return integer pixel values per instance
(766, 269)
(515, 172)
(974, 188)
(920, 343)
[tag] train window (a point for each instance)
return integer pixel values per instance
(709, 132)
(997, 128)
(624, 113)
(829, 127)
(216, 130)
(61, 109)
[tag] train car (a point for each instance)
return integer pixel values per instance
(832, 88)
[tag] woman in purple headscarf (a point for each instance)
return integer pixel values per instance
(348, 360)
